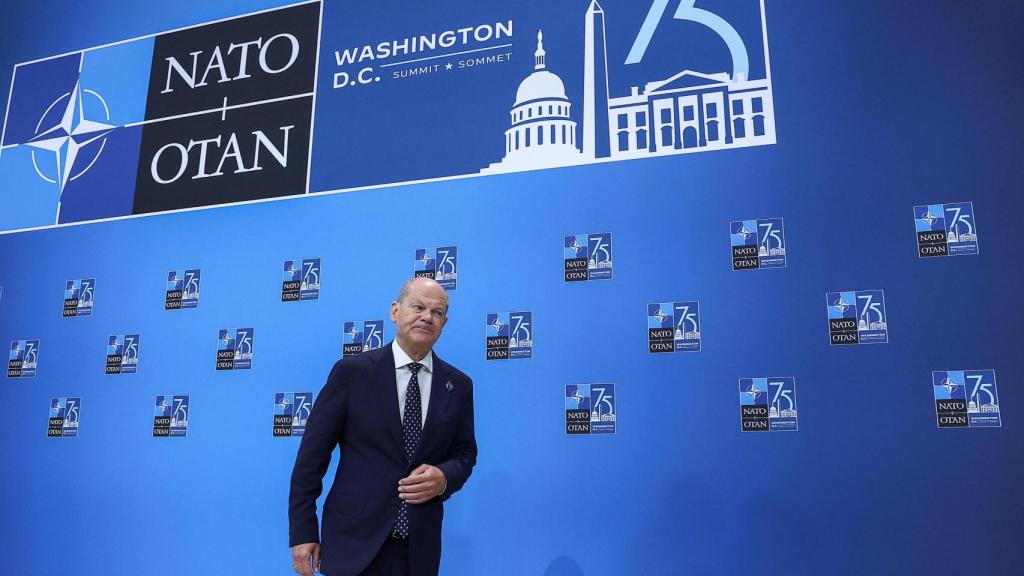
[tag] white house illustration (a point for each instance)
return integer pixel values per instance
(687, 112)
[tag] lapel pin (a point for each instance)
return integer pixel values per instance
(449, 386)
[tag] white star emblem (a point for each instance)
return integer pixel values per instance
(497, 325)
(69, 136)
(448, 66)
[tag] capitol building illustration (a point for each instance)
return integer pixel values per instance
(687, 112)
(542, 135)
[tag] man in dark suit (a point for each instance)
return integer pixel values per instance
(404, 421)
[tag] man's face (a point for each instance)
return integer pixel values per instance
(421, 316)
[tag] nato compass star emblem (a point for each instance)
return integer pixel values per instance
(578, 397)
(929, 217)
(743, 232)
(576, 247)
(426, 260)
(75, 141)
(660, 315)
(949, 386)
(284, 404)
(352, 332)
(753, 391)
(497, 325)
(841, 306)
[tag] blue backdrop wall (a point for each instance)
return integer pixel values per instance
(879, 107)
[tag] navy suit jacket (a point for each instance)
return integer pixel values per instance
(357, 409)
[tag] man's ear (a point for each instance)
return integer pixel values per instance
(394, 311)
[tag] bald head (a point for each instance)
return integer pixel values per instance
(422, 283)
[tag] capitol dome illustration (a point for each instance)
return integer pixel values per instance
(541, 132)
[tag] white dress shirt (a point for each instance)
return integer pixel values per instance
(403, 374)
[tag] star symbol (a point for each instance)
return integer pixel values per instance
(575, 247)
(661, 315)
(497, 325)
(448, 66)
(578, 397)
(841, 306)
(70, 135)
(743, 232)
(754, 392)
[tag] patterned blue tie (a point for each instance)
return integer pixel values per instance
(412, 427)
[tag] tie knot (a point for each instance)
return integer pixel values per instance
(415, 367)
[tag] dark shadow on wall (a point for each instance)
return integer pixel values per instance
(563, 566)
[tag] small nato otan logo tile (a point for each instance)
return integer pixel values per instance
(360, 336)
(758, 244)
(170, 416)
(235, 348)
(182, 289)
(123, 354)
(79, 296)
(509, 335)
(24, 359)
(673, 327)
(946, 229)
(768, 404)
(65, 413)
(440, 264)
(966, 399)
(590, 409)
(300, 280)
(587, 257)
(857, 317)
(291, 412)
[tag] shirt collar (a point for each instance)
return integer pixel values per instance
(402, 359)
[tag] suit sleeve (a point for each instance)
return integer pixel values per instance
(323, 431)
(462, 455)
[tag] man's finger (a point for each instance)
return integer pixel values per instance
(413, 476)
(316, 559)
(416, 488)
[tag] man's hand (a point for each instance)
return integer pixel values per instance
(306, 558)
(424, 483)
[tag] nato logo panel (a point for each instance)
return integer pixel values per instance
(440, 264)
(757, 244)
(590, 409)
(79, 296)
(170, 416)
(509, 335)
(966, 399)
(205, 115)
(768, 404)
(235, 348)
(857, 317)
(587, 257)
(301, 280)
(24, 359)
(182, 289)
(946, 230)
(362, 336)
(65, 412)
(291, 412)
(673, 327)
(123, 354)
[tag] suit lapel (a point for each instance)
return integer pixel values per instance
(439, 397)
(385, 384)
